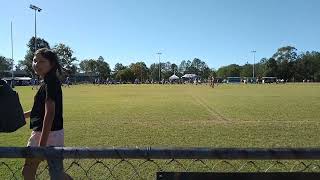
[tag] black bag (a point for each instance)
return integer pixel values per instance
(11, 113)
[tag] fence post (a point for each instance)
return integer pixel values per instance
(55, 168)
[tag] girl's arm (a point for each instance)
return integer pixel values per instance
(47, 122)
(27, 114)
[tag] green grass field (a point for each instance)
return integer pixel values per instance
(184, 116)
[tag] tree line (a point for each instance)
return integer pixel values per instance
(5, 65)
(285, 63)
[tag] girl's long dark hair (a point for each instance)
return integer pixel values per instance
(52, 58)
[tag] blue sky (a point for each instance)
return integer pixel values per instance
(219, 32)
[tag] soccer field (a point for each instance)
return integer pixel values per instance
(285, 115)
(185, 115)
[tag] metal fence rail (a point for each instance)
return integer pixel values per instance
(143, 163)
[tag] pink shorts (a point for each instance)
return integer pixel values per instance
(56, 138)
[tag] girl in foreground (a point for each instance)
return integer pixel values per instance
(46, 118)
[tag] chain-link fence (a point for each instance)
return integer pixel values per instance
(140, 163)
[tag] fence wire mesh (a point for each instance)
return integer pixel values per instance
(147, 168)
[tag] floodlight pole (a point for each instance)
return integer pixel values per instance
(159, 53)
(35, 8)
(12, 76)
(254, 61)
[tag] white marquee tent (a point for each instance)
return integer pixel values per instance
(173, 77)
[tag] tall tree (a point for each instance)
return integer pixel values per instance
(213, 73)
(205, 72)
(232, 70)
(198, 67)
(4, 63)
(288, 53)
(84, 66)
(125, 75)
(307, 66)
(260, 68)
(139, 70)
(271, 68)
(98, 67)
(197, 64)
(88, 66)
(174, 68)
(285, 57)
(19, 66)
(103, 68)
(118, 67)
(182, 67)
(5, 66)
(167, 70)
(154, 72)
(41, 43)
(65, 55)
(246, 70)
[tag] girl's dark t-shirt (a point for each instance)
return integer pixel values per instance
(50, 89)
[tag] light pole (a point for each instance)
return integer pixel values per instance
(35, 8)
(12, 76)
(159, 53)
(254, 61)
